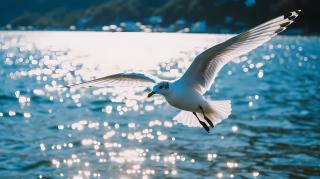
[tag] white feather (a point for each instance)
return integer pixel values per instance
(219, 110)
(121, 79)
(206, 65)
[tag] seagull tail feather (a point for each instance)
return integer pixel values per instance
(220, 110)
(188, 119)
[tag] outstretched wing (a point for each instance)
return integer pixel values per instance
(203, 70)
(121, 79)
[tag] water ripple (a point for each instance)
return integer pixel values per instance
(117, 132)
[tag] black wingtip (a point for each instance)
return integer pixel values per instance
(292, 18)
(298, 11)
(287, 15)
(285, 24)
(279, 30)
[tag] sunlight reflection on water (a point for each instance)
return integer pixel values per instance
(116, 132)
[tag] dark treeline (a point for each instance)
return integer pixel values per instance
(60, 13)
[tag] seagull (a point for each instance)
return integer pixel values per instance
(187, 92)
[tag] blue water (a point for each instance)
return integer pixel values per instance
(46, 132)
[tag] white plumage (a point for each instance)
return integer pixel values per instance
(206, 65)
(121, 79)
(187, 92)
(222, 111)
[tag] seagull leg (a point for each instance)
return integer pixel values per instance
(205, 117)
(204, 125)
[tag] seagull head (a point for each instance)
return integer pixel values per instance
(159, 88)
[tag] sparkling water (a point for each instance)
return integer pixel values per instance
(116, 132)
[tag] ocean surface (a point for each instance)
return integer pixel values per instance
(49, 132)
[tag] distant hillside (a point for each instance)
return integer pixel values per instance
(247, 13)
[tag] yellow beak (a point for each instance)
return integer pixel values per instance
(151, 93)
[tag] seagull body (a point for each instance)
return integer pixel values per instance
(186, 98)
(187, 92)
(182, 96)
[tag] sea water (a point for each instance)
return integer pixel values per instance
(117, 132)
